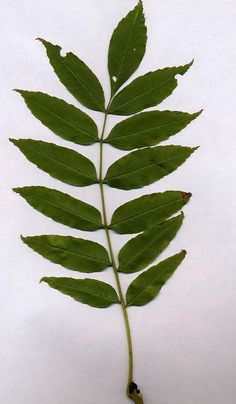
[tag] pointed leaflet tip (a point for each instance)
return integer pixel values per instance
(47, 43)
(19, 91)
(23, 238)
(196, 114)
(184, 68)
(40, 39)
(16, 190)
(195, 148)
(14, 141)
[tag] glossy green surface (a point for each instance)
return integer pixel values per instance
(127, 47)
(88, 291)
(147, 285)
(76, 77)
(72, 253)
(62, 208)
(65, 120)
(141, 250)
(147, 211)
(61, 163)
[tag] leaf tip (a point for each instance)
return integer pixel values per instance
(186, 195)
(186, 67)
(49, 45)
(196, 114)
(183, 252)
(14, 141)
(195, 148)
(23, 238)
(40, 40)
(44, 279)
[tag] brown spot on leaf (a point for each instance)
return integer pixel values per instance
(186, 195)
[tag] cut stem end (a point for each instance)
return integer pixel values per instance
(134, 393)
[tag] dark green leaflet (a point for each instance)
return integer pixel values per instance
(147, 211)
(142, 167)
(72, 253)
(62, 208)
(147, 285)
(88, 291)
(61, 163)
(148, 128)
(62, 118)
(127, 47)
(76, 77)
(146, 91)
(141, 250)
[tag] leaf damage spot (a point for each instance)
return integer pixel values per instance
(114, 78)
(63, 53)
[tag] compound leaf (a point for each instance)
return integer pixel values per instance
(76, 77)
(127, 47)
(148, 128)
(72, 253)
(62, 208)
(146, 91)
(141, 250)
(147, 285)
(147, 211)
(143, 167)
(62, 118)
(88, 291)
(61, 163)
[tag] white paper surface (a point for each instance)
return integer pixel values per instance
(57, 351)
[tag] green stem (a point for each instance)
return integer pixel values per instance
(136, 397)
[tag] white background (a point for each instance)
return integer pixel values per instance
(57, 351)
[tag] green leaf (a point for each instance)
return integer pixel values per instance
(88, 291)
(76, 77)
(61, 163)
(63, 119)
(147, 211)
(127, 47)
(147, 285)
(141, 250)
(72, 253)
(148, 128)
(62, 208)
(143, 167)
(146, 91)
